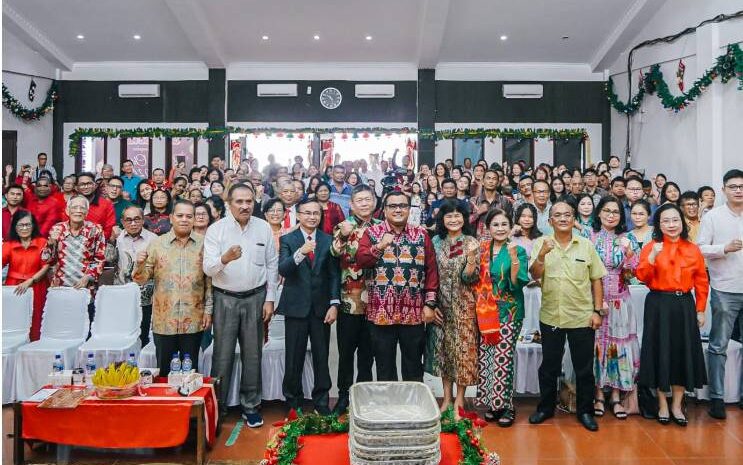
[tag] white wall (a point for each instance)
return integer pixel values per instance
(697, 145)
(35, 136)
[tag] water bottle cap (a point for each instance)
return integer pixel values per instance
(186, 355)
(58, 356)
(131, 354)
(175, 354)
(91, 355)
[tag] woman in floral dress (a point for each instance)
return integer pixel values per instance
(616, 349)
(504, 272)
(452, 341)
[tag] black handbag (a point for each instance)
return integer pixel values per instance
(647, 402)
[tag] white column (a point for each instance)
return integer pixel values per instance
(709, 154)
(158, 153)
(113, 153)
(544, 151)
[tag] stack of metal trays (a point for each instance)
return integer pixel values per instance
(394, 423)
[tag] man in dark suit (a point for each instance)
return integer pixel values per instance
(309, 303)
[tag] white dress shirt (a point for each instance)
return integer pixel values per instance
(258, 264)
(720, 226)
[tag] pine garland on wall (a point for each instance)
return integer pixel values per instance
(30, 114)
(727, 67)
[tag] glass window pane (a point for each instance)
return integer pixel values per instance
(518, 149)
(568, 153)
(467, 148)
(138, 151)
(183, 149)
(93, 154)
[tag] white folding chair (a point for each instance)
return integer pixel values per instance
(64, 327)
(116, 326)
(17, 310)
(273, 363)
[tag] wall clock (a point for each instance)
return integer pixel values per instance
(331, 98)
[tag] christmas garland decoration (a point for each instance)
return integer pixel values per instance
(515, 133)
(30, 114)
(726, 67)
(283, 448)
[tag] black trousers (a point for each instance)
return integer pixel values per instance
(580, 341)
(168, 344)
(412, 339)
(144, 328)
(298, 331)
(353, 337)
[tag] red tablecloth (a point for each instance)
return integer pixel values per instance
(332, 449)
(159, 419)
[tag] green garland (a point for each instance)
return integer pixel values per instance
(726, 67)
(283, 448)
(516, 133)
(30, 114)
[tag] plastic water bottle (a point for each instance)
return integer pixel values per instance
(90, 365)
(187, 363)
(175, 363)
(58, 366)
(132, 360)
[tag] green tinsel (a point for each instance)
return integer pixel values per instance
(516, 133)
(726, 67)
(30, 114)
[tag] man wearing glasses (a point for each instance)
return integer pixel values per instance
(721, 241)
(634, 192)
(572, 308)
(100, 210)
(401, 290)
(129, 243)
(115, 194)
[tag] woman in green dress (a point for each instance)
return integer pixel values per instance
(504, 272)
(452, 341)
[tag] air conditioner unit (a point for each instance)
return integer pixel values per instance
(139, 90)
(522, 90)
(277, 90)
(375, 90)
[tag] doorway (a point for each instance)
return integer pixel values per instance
(10, 149)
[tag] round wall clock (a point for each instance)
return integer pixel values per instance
(331, 98)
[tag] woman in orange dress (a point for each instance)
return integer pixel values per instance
(22, 254)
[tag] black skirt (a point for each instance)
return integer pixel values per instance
(671, 352)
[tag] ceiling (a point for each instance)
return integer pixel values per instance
(222, 32)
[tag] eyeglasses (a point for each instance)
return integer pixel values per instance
(310, 213)
(24, 225)
(202, 215)
(397, 206)
(735, 187)
(115, 186)
(276, 211)
(610, 212)
(132, 220)
(86, 184)
(671, 221)
(559, 216)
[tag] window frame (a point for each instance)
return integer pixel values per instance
(79, 158)
(123, 155)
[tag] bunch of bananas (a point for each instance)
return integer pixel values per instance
(115, 377)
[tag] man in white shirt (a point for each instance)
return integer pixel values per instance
(240, 256)
(721, 241)
(43, 165)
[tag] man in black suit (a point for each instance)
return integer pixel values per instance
(309, 303)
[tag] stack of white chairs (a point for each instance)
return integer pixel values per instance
(64, 327)
(17, 311)
(272, 363)
(116, 326)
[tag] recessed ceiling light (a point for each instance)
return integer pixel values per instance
(137, 36)
(316, 37)
(503, 37)
(80, 36)
(264, 37)
(369, 37)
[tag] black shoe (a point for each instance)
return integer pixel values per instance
(717, 409)
(679, 421)
(341, 406)
(588, 422)
(663, 420)
(493, 415)
(323, 410)
(539, 417)
(507, 418)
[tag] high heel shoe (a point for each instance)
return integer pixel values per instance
(679, 421)
(663, 420)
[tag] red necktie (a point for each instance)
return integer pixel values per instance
(311, 255)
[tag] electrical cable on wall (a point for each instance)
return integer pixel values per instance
(664, 40)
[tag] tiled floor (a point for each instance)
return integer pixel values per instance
(558, 441)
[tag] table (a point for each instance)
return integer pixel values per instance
(161, 418)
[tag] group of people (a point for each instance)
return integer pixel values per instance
(434, 262)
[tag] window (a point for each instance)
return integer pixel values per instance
(569, 153)
(518, 149)
(180, 149)
(139, 151)
(468, 148)
(93, 154)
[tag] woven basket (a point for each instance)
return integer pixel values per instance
(117, 392)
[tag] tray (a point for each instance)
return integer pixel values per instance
(392, 438)
(64, 398)
(386, 453)
(435, 460)
(393, 405)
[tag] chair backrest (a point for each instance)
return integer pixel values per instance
(66, 314)
(276, 328)
(17, 310)
(118, 310)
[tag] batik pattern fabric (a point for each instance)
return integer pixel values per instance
(496, 361)
(75, 256)
(354, 295)
(451, 349)
(616, 349)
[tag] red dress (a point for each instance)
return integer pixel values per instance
(332, 215)
(24, 263)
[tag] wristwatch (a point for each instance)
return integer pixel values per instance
(431, 304)
(599, 311)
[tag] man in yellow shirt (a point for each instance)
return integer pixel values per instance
(572, 308)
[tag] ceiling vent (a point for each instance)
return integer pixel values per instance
(277, 90)
(375, 90)
(139, 90)
(522, 90)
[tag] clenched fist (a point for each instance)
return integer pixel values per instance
(345, 228)
(387, 239)
(233, 253)
(308, 247)
(141, 257)
(547, 247)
